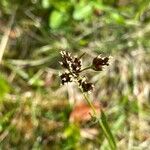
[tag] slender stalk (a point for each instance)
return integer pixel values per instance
(85, 68)
(105, 126)
(81, 56)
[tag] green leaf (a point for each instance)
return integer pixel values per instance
(82, 12)
(119, 122)
(45, 4)
(106, 129)
(35, 80)
(117, 18)
(4, 87)
(72, 137)
(56, 19)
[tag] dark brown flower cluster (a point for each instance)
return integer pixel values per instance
(99, 62)
(73, 64)
(73, 69)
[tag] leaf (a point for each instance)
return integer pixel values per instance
(106, 129)
(4, 87)
(82, 12)
(45, 4)
(117, 18)
(56, 19)
(72, 137)
(35, 80)
(119, 122)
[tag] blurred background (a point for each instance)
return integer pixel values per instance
(35, 109)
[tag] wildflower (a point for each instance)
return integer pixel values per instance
(73, 64)
(76, 65)
(86, 86)
(99, 62)
(65, 78)
(66, 59)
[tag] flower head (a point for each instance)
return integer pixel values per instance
(73, 64)
(86, 86)
(66, 59)
(99, 62)
(65, 78)
(76, 65)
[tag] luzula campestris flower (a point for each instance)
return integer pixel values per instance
(99, 62)
(73, 66)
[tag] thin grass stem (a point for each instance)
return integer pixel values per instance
(103, 123)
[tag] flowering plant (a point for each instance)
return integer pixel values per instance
(73, 66)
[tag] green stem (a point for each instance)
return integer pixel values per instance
(81, 56)
(102, 120)
(103, 124)
(85, 68)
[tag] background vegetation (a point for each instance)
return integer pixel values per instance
(35, 109)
